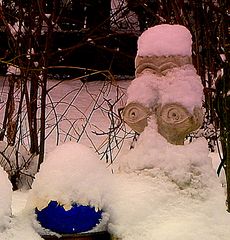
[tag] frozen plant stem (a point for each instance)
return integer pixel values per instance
(44, 85)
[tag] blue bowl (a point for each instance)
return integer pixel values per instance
(76, 220)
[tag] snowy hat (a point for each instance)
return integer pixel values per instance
(165, 40)
(163, 47)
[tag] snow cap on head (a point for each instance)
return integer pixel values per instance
(165, 40)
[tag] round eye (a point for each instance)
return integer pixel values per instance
(135, 112)
(135, 116)
(174, 113)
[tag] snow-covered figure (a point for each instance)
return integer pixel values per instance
(167, 190)
(5, 200)
(166, 84)
(67, 194)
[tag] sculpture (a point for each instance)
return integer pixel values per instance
(163, 62)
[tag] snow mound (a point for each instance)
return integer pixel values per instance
(5, 199)
(187, 166)
(165, 40)
(180, 85)
(21, 228)
(71, 173)
(167, 192)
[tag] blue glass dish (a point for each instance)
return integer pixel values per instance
(76, 220)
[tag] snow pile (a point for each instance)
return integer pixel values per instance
(158, 191)
(71, 173)
(165, 40)
(188, 166)
(20, 228)
(5, 199)
(180, 85)
(167, 192)
(22, 223)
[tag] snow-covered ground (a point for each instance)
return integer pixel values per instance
(159, 191)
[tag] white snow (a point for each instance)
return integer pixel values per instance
(159, 191)
(30, 52)
(165, 40)
(5, 200)
(71, 173)
(167, 192)
(179, 85)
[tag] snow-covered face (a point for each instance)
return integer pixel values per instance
(173, 120)
(174, 99)
(166, 84)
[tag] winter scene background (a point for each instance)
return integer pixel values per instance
(67, 144)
